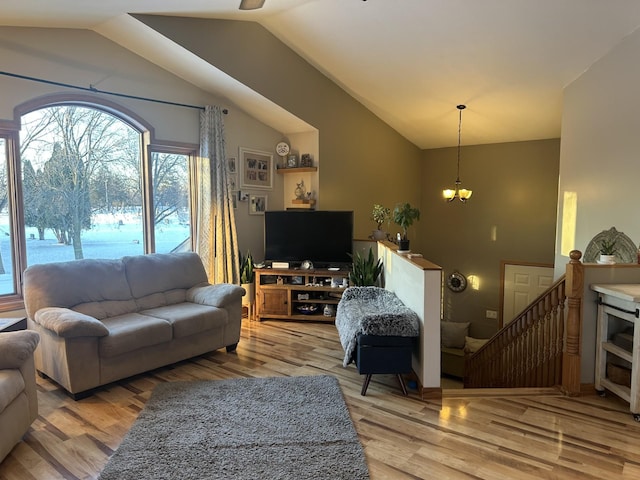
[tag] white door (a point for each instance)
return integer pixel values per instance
(522, 285)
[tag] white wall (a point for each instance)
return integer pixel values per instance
(418, 283)
(600, 148)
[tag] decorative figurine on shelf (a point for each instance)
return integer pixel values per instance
(300, 191)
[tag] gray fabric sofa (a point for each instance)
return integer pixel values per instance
(104, 320)
(18, 398)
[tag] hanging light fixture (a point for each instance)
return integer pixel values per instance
(462, 193)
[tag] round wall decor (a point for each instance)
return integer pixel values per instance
(456, 282)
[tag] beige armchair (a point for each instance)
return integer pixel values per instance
(18, 401)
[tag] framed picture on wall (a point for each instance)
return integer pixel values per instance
(256, 169)
(257, 204)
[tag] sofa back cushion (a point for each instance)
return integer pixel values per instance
(163, 272)
(73, 283)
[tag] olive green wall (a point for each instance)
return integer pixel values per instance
(362, 160)
(511, 216)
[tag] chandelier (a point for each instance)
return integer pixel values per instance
(461, 193)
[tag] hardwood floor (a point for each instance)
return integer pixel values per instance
(493, 434)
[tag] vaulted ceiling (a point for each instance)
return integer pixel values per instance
(409, 61)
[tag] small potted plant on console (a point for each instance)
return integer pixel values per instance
(404, 215)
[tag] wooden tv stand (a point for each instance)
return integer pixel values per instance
(281, 293)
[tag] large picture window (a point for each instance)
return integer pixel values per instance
(90, 185)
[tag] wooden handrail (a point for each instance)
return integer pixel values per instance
(530, 350)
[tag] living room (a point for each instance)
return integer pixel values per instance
(363, 161)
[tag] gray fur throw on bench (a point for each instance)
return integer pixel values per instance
(372, 311)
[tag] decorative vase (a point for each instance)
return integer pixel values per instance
(403, 245)
(379, 235)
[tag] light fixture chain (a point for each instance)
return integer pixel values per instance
(463, 194)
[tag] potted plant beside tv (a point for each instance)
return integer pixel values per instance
(404, 215)
(365, 271)
(247, 276)
(380, 214)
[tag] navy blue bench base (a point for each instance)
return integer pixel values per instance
(383, 354)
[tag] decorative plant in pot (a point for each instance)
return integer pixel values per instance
(365, 271)
(247, 276)
(380, 214)
(608, 251)
(404, 215)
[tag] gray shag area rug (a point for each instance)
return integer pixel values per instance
(249, 428)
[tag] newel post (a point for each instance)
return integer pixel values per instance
(574, 280)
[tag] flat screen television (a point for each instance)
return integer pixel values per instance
(322, 236)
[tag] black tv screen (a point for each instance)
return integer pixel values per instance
(322, 236)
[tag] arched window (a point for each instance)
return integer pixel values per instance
(85, 180)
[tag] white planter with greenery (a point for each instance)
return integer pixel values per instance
(247, 276)
(608, 252)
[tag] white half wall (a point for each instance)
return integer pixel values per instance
(418, 283)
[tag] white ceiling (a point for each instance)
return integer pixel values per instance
(409, 61)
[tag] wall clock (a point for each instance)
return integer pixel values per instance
(282, 149)
(456, 282)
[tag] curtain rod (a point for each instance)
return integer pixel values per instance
(93, 89)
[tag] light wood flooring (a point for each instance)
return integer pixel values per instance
(498, 434)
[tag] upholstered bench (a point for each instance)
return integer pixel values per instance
(377, 332)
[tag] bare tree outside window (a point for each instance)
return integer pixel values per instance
(83, 184)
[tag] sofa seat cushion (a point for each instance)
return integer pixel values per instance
(190, 318)
(11, 385)
(133, 331)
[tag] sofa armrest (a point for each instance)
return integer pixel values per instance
(17, 347)
(218, 295)
(69, 324)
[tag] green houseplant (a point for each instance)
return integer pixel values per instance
(608, 251)
(404, 215)
(247, 276)
(365, 270)
(380, 214)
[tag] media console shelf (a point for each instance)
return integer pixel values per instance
(298, 294)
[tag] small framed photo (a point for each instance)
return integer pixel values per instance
(256, 169)
(257, 204)
(306, 160)
(242, 196)
(232, 165)
(292, 161)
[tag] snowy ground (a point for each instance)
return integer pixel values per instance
(106, 239)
